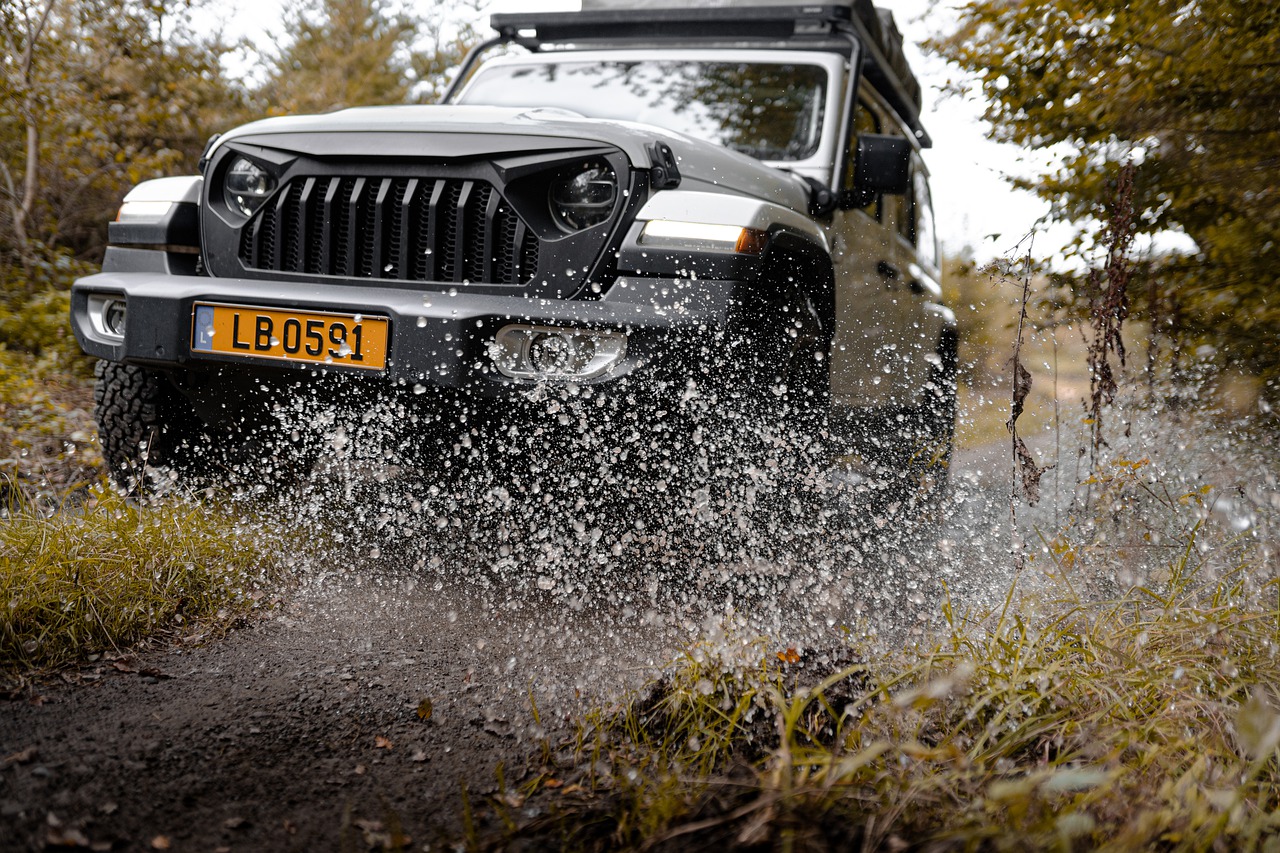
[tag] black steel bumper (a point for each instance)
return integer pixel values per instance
(437, 338)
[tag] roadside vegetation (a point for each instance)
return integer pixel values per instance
(83, 571)
(1122, 697)
(81, 581)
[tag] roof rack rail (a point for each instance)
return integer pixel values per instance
(883, 59)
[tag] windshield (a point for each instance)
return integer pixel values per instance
(767, 110)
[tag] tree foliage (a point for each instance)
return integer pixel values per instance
(99, 95)
(1189, 92)
(345, 53)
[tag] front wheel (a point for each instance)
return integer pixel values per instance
(146, 428)
(909, 450)
(757, 432)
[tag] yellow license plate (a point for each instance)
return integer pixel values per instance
(346, 340)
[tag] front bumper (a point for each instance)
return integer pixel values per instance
(436, 338)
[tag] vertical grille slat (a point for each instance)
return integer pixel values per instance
(477, 237)
(287, 246)
(344, 208)
(303, 227)
(279, 231)
(359, 240)
(508, 232)
(429, 255)
(328, 216)
(449, 261)
(404, 229)
(267, 240)
(391, 211)
(492, 239)
(528, 254)
(375, 226)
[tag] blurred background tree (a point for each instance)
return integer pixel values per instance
(1189, 92)
(103, 95)
(343, 53)
(347, 53)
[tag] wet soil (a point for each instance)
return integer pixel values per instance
(357, 714)
(353, 714)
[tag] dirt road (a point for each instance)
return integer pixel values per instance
(377, 692)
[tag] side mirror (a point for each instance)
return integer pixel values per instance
(883, 165)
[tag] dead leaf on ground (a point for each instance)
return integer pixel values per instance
(425, 709)
(25, 756)
(160, 842)
(379, 742)
(234, 822)
(66, 837)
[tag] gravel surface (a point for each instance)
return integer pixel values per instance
(366, 703)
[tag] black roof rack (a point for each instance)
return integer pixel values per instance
(798, 25)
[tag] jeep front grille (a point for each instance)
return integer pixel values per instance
(407, 229)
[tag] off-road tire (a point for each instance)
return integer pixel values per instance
(771, 405)
(145, 427)
(777, 364)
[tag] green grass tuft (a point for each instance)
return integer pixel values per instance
(95, 578)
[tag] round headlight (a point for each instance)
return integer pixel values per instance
(247, 186)
(584, 198)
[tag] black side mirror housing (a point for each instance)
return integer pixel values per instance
(883, 165)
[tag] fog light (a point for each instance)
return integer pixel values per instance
(551, 352)
(544, 352)
(113, 317)
(107, 315)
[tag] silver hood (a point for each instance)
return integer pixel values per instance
(477, 131)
